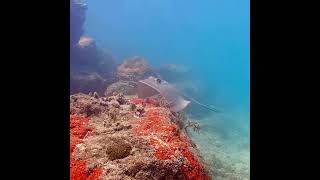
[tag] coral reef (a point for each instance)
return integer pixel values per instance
(134, 69)
(129, 138)
(169, 143)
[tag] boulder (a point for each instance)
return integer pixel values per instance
(91, 68)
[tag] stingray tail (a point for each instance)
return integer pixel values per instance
(203, 105)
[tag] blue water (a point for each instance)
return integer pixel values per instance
(211, 37)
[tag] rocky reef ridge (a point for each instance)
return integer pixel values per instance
(124, 137)
(118, 136)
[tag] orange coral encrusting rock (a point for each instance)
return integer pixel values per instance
(78, 168)
(129, 138)
(167, 140)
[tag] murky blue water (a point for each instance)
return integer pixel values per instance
(209, 37)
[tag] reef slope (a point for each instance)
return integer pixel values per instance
(121, 137)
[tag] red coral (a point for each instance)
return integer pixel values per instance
(164, 152)
(95, 174)
(78, 130)
(194, 171)
(78, 127)
(166, 140)
(77, 169)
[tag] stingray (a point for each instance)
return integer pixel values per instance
(154, 86)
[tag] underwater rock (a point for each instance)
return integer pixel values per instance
(86, 57)
(124, 87)
(86, 105)
(121, 100)
(77, 18)
(125, 146)
(134, 69)
(86, 82)
(106, 65)
(91, 68)
(115, 103)
(85, 54)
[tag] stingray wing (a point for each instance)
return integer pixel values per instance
(150, 86)
(145, 91)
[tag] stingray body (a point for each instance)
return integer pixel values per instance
(153, 86)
